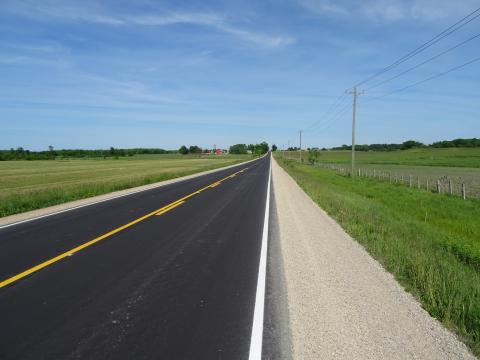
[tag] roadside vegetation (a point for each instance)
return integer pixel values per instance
(29, 185)
(430, 243)
(446, 157)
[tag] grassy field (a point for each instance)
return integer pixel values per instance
(430, 243)
(460, 165)
(28, 185)
(456, 157)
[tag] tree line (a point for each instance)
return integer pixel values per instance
(24, 154)
(256, 149)
(410, 144)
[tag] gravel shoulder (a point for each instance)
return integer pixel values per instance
(341, 303)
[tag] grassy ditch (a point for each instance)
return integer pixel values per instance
(29, 185)
(430, 243)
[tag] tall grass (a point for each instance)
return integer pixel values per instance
(431, 244)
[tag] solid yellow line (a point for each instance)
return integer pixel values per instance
(216, 184)
(104, 236)
(169, 208)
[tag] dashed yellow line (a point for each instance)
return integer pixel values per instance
(70, 252)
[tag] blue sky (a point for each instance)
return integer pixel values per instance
(94, 74)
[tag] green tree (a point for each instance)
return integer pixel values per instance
(313, 156)
(411, 144)
(194, 149)
(274, 147)
(238, 149)
(183, 150)
(261, 148)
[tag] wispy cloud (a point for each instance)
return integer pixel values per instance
(94, 14)
(390, 10)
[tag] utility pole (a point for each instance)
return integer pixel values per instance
(301, 146)
(355, 93)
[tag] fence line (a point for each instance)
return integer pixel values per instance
(443, 185)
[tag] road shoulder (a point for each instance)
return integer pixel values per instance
(341, 302)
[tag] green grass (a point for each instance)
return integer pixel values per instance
(29, 185)
(430, 243)
(460, 165)
(455, 157)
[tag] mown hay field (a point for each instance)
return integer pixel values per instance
(28, 185)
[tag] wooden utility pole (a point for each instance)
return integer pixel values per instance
(301, 146)
(355, 93)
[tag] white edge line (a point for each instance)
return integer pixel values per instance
(257, 326)
(118, 196)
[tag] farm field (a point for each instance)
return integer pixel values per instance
(29, 185)
(460, 165)
(447, 157)
(430, 243)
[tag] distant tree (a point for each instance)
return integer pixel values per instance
(274, 147)
(194, 149)
(261, 148)
(251, 148)
(411, 144)
(183, 150)
(238, 149)
(313, 156)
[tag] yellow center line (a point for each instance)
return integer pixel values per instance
(169, 208)
(70, 252)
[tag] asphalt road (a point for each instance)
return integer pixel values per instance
(179, 285)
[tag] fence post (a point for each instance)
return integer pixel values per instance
(418, 182)
(396, 178)
(390, 178)
(427, 185)
(438, 186)
(464, 192)
(450, 187)
(410, 180)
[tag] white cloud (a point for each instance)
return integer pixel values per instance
(391, 10)
(94, 14)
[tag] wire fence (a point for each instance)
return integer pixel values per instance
(428, 178)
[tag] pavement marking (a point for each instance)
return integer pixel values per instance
(174, 205)
(175, 180)
(70, 252)
(257, 326)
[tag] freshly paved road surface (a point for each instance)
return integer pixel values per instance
(341, 303)
(180, 285)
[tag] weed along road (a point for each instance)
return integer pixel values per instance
(166, 273)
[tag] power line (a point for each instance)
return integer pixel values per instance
(327, 113)
(424, 62)
(450, 30)
(427, 79)
(331, 120)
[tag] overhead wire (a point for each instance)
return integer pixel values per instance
(427, 79)
(447, 32)
(328, 112)
(424, 62)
